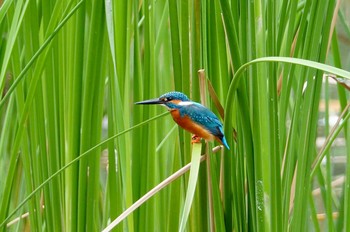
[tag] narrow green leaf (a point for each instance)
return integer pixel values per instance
(192, 182)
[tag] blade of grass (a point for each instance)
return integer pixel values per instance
(18, 16)
(150, 193)
(37, 54)
(72, 92)
(192, 182)
(60, 171)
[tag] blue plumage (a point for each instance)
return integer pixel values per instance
(174, 96)
(206, 118)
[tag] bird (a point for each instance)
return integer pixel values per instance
(191, 116)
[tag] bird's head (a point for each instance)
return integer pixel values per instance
(171, 100)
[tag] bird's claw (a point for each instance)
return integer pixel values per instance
(196, 139)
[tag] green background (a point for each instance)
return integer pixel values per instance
(75, 152)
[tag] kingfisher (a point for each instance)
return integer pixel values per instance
(191, 116)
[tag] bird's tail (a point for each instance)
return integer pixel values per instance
(224, 142)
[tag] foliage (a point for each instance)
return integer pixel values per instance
(75, 152)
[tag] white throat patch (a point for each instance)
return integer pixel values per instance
(165, 106)
(185, 103)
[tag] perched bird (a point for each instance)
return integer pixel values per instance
(191, 116)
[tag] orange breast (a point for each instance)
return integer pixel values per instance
(186, 123)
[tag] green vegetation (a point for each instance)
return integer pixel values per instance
(75, 152)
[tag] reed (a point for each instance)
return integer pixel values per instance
(76, 153)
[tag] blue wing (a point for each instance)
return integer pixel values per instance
(203, 116)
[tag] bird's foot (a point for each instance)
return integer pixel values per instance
(196, 139)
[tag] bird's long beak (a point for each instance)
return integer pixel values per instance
(150, 102)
